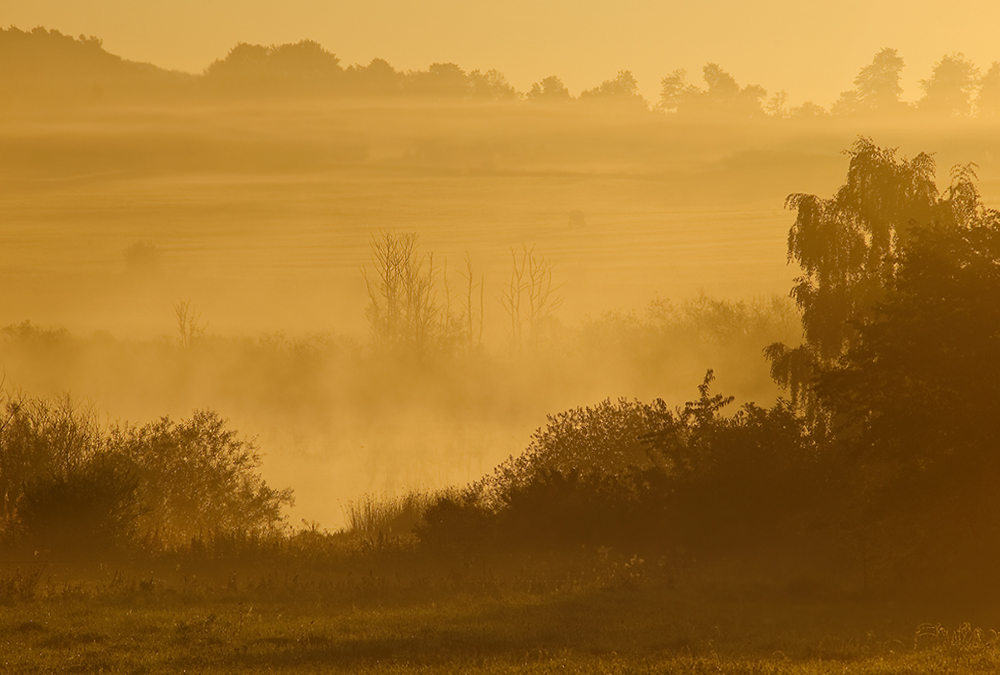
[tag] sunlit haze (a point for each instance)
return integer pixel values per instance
(487, 337)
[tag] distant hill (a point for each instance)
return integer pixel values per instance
(45, 65)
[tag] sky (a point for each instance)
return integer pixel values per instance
(812, 50)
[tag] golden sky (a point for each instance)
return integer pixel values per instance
(812, 50)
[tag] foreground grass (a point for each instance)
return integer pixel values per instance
(262, 626)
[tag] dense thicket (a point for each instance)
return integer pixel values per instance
(643, 478)
(885, 464)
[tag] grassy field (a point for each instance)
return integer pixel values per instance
(464, 622)
(264, 212)
(267, 253)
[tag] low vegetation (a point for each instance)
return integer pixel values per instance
(445, 623)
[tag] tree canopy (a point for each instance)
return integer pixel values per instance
(950, 88)
(721, 97)
(848, 248)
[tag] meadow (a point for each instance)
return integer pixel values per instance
(602, 618)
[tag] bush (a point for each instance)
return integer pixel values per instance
(199, 479)
(91, 508)
(457, 521)
(41, 440)
(69, 485)
(640, 477)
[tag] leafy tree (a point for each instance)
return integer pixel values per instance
(440, 80)
(776, 106)
(551, 89)
(808, 110)
(988, 100)
(622, 89)
(722, 87)
(917, 381)
(725, 95)
(198, 479)
(950, 88)
(898, 371)
(244, 60)
(847, 247)
(913, 403)
(722, 96)
(378, 78)
(491, 85)
(750, 102)
(255, 69)
(847, 104)
(877, 85)
(673, 90)
(304, 60)
(47, 66)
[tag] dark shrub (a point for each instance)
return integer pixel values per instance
(90, 508)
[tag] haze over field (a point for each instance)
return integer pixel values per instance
(252, 194)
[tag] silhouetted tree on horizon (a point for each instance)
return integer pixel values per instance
(622, 89)
(988, 100)
(877, 88)
(950, 88)
(776, 105)
(549, 90)
(378, 78)
(259, 70)
(808, 110)
(722, 97)
(440, 80)
(878, 85)
(673, 89)
(491, 85)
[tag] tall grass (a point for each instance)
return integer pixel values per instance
(379, 515)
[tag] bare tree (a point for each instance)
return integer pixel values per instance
(530, 295)
(190, 327)
(473, 328)
(402, 311)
